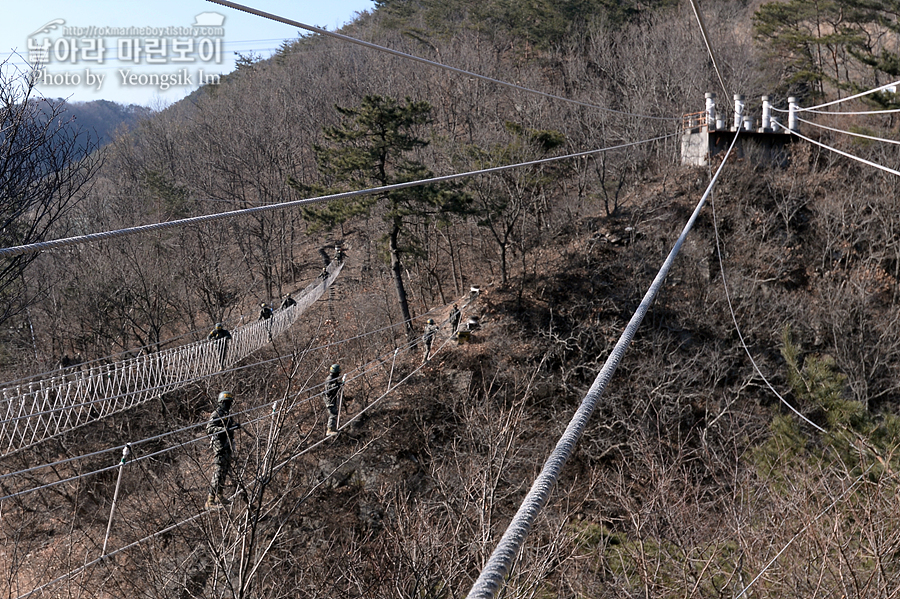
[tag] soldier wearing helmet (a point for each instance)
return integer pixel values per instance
(265, 311)
(221, 335)
(221, 429)
(428, 338)
(288, 302)
(219, 332)
(334, 386)
(455, 316)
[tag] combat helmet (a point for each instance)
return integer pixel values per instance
(335, 369)
(225, 398)
(429, 321)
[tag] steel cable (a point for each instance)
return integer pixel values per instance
(189, 519)
(90, 237)
(137, 380)
(419, 59)
(363, 370)
(841, 152)
(499, 565)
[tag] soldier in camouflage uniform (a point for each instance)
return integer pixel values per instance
(333, 387)
(265, 311)
(221, 428)
(455, 316)
(288, 302)
(428, 338)
(220, 332)
(217, 334)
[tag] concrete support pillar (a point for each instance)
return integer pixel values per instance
(738, 111)
(792, 113)
(766, 115)
(710, 111)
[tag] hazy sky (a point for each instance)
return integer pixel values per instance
(128, 51)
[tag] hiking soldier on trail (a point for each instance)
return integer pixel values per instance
(428, 338)
(265, 312)
(333, 391)
(287, 302)
(217, 334)
(455, 316)
(221, 427)
(339, 253)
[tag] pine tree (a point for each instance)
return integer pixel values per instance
(845, 45)
(371, 148)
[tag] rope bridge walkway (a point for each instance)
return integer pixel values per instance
(39, 409)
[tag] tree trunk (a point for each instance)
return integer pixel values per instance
(397, 272)
(503, 264)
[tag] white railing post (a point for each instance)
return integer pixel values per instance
(792, 113)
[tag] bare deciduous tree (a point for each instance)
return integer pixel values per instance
(46, 164)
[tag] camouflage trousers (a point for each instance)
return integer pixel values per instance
(332, 407)
(221, 466)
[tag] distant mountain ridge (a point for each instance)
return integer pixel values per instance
(100, 119)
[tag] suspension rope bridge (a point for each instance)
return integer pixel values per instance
(42, 408)
(313, 391)
(39, 409)
(273, 413)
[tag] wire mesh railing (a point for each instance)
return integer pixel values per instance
(35, 410)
